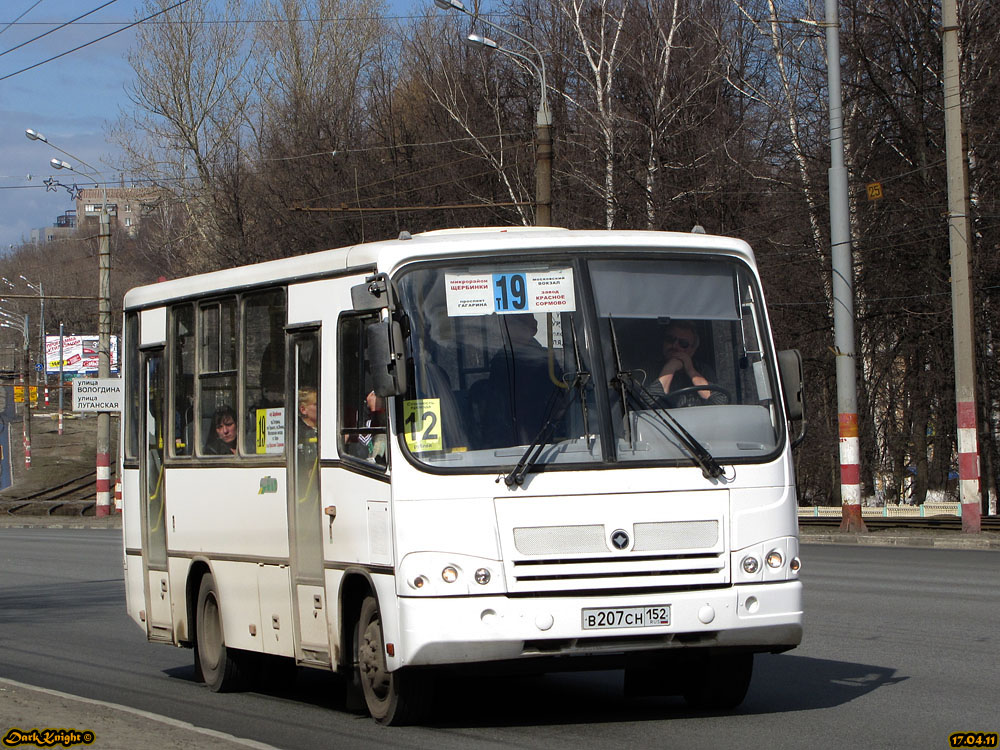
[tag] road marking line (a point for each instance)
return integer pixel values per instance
(143, 714)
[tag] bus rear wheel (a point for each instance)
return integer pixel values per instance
(223, 669)
(392, 698)
(719, 681)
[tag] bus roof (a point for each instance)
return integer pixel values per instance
(387, 255)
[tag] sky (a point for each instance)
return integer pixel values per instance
(71, 100)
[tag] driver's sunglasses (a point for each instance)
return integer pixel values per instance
(682, 343)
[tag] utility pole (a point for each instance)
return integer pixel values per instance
(961, 288)
(26, 383)
(61, 363)
(104, 363)
(843, 290)
(543, 166)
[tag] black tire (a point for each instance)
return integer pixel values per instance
(393, 698)
(223, 669)
(719, 682)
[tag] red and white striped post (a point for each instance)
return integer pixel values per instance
(850, 474)
(968, 468)
(103, 484)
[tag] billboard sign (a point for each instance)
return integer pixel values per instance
(79, 354)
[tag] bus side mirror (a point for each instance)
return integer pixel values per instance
(385, 356)
(790, 367)
(371, 296)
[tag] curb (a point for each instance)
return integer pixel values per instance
(957, 540)
(100, 724)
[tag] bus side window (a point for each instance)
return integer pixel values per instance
(217, 379)
(264, 315)
(362, 417)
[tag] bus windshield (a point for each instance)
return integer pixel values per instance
(587, 360)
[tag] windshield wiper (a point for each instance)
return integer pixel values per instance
(640, 395)
(552, 417)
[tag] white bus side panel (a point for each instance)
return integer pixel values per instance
(361, 531)
(275, 630)
(135, 600)
(762, 513)
(201, 502)
(240, 607)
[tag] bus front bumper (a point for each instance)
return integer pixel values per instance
(463, 630)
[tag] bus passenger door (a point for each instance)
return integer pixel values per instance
(312, 644)
(159, 623)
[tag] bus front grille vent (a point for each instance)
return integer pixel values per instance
(659, 536)
(662, 554)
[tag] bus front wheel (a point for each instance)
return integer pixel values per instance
(392, 698)
(719, 682)
(221, 667)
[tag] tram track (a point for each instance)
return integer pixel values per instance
(76, 496)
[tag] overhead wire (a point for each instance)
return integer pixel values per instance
(93, 41)
(57, 28)
(34, 5)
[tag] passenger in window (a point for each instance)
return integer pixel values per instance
(307, 445)
(223, 441)
(520, 383)
(679, 371)
(307, 416)
(374, 441)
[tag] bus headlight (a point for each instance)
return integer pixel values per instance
(772, 561)
(447, 574)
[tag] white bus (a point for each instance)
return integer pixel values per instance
(466, 450)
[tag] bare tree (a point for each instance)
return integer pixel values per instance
(193, 83)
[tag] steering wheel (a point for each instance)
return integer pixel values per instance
(714, 387)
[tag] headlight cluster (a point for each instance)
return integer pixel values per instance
(441, 574)
(762, 563)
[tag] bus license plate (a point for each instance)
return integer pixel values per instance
(600, 618)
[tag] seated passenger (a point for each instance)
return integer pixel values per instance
(223, 441)
(680, 343)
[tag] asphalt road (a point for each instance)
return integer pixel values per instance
(900, 651)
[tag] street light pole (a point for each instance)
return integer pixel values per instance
(103, 451)
(543, 117)
(42, 374)
(970, 490)
(843, 288)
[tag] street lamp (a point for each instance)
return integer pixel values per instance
(103, 322)
(543, 119)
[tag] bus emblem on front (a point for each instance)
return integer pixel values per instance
(620, 539)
